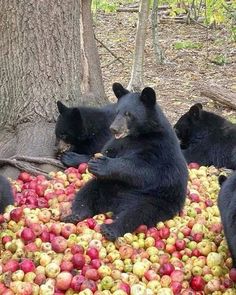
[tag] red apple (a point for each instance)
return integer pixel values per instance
(77, 249)
(166, 269)
(59, 244)
(176, 287)
(66, 265)
(164, 232)
(92, 274)
(82, 168)
(197, 283)
(16, 214)
(193, 165)
(151, 275)
(91, 223)
(24, 176)
(92, 253)
(11, 265)
(76, 282)
(45, 236)
(88, 284)
(28, 235)
(232, 274)
(27, 265)
(68, 229)
(180, 245)
(63, 280)
(78, 261)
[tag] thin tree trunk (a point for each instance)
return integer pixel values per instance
(40, 63)
(136, 81)
(159, 57)
(91, 80)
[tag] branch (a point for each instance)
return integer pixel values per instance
(113, 54)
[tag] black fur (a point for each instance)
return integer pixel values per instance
(227, 207)
(6, 194)
(142, 177)
(207, 138)
(85, 129)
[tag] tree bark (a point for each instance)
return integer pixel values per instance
(156, 45)
(218, 94)
(91, 80)
(40, 63)
(136, 81)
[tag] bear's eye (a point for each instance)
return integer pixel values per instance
(128, 114)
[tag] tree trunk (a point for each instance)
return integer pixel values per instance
(91, 75)
(40, 63)
(219, 94)
(159, 57)
(136, 81)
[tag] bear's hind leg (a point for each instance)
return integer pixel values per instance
(83, 204)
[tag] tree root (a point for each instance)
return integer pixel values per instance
(24, 163)
(39, 160)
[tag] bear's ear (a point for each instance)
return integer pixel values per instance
(195, 110)
(119, 90)
(61, 107)
(148, 97)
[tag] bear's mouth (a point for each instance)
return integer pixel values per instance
(121, 134)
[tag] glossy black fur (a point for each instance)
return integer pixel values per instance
(86, 129)
(6, 195)
(207, 138)
(141, 178)
(227, 207)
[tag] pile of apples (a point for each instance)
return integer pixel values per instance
(40, 255)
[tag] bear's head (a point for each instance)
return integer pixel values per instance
(69, 127)
(135, 113)
(189, 124)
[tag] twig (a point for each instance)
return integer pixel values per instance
(108, 64)
(39, 160)
(109, 50)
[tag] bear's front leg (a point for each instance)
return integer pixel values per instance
(100, 167)
(72, 159)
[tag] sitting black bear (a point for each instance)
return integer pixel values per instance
(142, 175)
(84, 130)
(207, 138)
(6, 194)
(227, 207)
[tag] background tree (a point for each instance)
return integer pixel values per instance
(47, 53)
(136, 80)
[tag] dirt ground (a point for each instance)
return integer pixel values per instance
(175, 81)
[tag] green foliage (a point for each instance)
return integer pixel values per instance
(219, 60)
(187, 45)
(104, 5)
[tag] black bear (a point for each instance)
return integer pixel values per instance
(207, 138)
(227, 207)
(84, 129)
(6, 194)
(142, 175)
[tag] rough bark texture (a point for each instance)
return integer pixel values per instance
(40, 63)
(218, 94)
(156, 45)
(136, 81)
(91, 75)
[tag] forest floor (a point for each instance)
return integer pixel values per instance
(175, 81)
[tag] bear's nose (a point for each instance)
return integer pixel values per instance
(113, 129)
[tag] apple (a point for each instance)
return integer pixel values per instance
(52, 270)
(68, 229)
(11, 265)
(28, 235)
(76, 282)
(77, 249)
(232, 274)
(78, 260)
(16, 214)
(82, 168)
(63, 280)
(164, 232)
(197, 283)
(92, 253)
(27, 265)
(24, 176)
(166, 269)
(59, 244)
